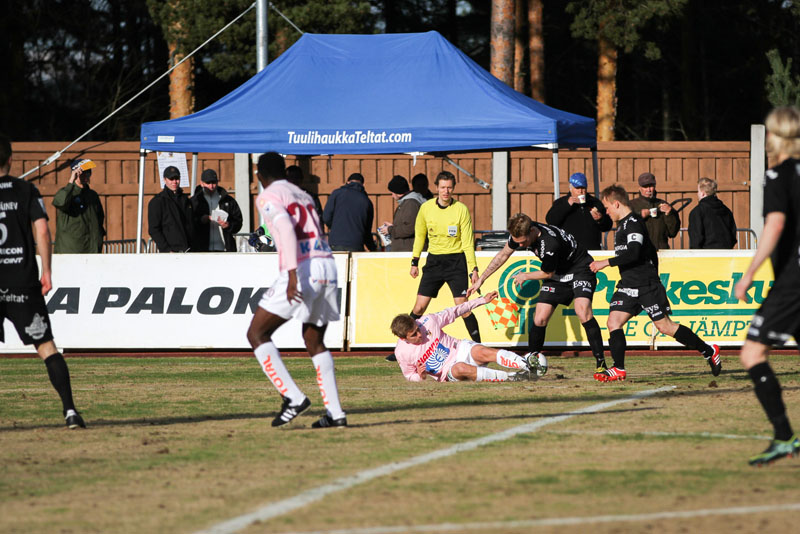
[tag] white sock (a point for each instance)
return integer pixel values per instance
(326, 380)
(510, 360)
(269, 357)
(491, 375)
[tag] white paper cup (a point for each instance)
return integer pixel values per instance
(653, 212)
(581, 199)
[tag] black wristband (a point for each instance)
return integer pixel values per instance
(414, 262)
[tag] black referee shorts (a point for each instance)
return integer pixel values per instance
(441, 268)
(26, 310)
(651, 298)
(778, 318)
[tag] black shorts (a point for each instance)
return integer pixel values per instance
(441, 268)
(651, 298)
(567, 288)
(778, 318)
(26, 310)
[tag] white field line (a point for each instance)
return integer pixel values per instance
(710, 435)
(305, 498)
(567, 521)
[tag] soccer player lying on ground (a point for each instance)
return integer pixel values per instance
(565, 274)
(424, 349)
(305, 290)
(639, 288)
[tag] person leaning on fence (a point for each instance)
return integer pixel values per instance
(778, 318)
(216, 216)
(23, 232)
(711, 223)
(401, 229)
(79, 213)
(349, 214)
(580, 214)
(660, 219)
(169, 215)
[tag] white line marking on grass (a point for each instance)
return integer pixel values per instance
(712, 435)
(305, 498)
(565, 521)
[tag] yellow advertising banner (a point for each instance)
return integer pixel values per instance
(699, 287)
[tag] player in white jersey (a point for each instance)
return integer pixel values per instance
(425, 350)
(305, 290)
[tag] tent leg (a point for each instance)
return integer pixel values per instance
(194, 173)
(595, 173)
(556, 191)
(140, 203)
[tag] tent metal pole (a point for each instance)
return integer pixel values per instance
(556, 191)
(261, 34)
(140, 203)
(194, 173)
(595, 172)
(465, 171)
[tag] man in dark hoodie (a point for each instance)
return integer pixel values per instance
(711, 223)
(349, 214)
(169, 215)
(214, 232)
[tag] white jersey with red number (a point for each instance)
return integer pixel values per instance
(438, 350)
(293, 222)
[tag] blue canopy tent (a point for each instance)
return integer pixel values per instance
(371, 94)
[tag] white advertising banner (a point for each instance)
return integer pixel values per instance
(166, 301)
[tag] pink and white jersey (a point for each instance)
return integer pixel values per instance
(294, 224)
(438, 349)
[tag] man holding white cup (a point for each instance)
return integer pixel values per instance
(580, 214)
(659, 217)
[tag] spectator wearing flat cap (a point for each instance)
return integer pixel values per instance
(711, 223)
(349, 215)
(660, 219)
(169, 215)
(401, 229)
(216, 216)
(580, 214)
(79, 213)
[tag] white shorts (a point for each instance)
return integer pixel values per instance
(317, 281)
(464, 352)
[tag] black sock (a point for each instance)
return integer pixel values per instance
(414, 315)
(617, 346)
(768, 391)
(595, 340)
(471, 323)
(536, 338)
(687, 338)
(59, 376)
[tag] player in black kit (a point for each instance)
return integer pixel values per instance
(21, 290)
(639, 288)
(778, 318)
(565, 274)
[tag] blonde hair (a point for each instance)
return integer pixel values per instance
(615, 192)
(783, 125)
(519, 225)
(707, 186)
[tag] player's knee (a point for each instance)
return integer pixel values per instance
(540, 321)
(668, 328)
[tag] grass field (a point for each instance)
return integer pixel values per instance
(183, 444)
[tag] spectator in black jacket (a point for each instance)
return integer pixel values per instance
(580, 214)
(711, 223)
(213, 231)
(169, 215)
(420, 184)
(349, 214)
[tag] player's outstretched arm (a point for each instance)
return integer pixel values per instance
(773, 228)
(499, 259)
(42, 233)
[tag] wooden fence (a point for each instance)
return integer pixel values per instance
(676, 165)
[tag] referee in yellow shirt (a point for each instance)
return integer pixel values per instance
(447, 225)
